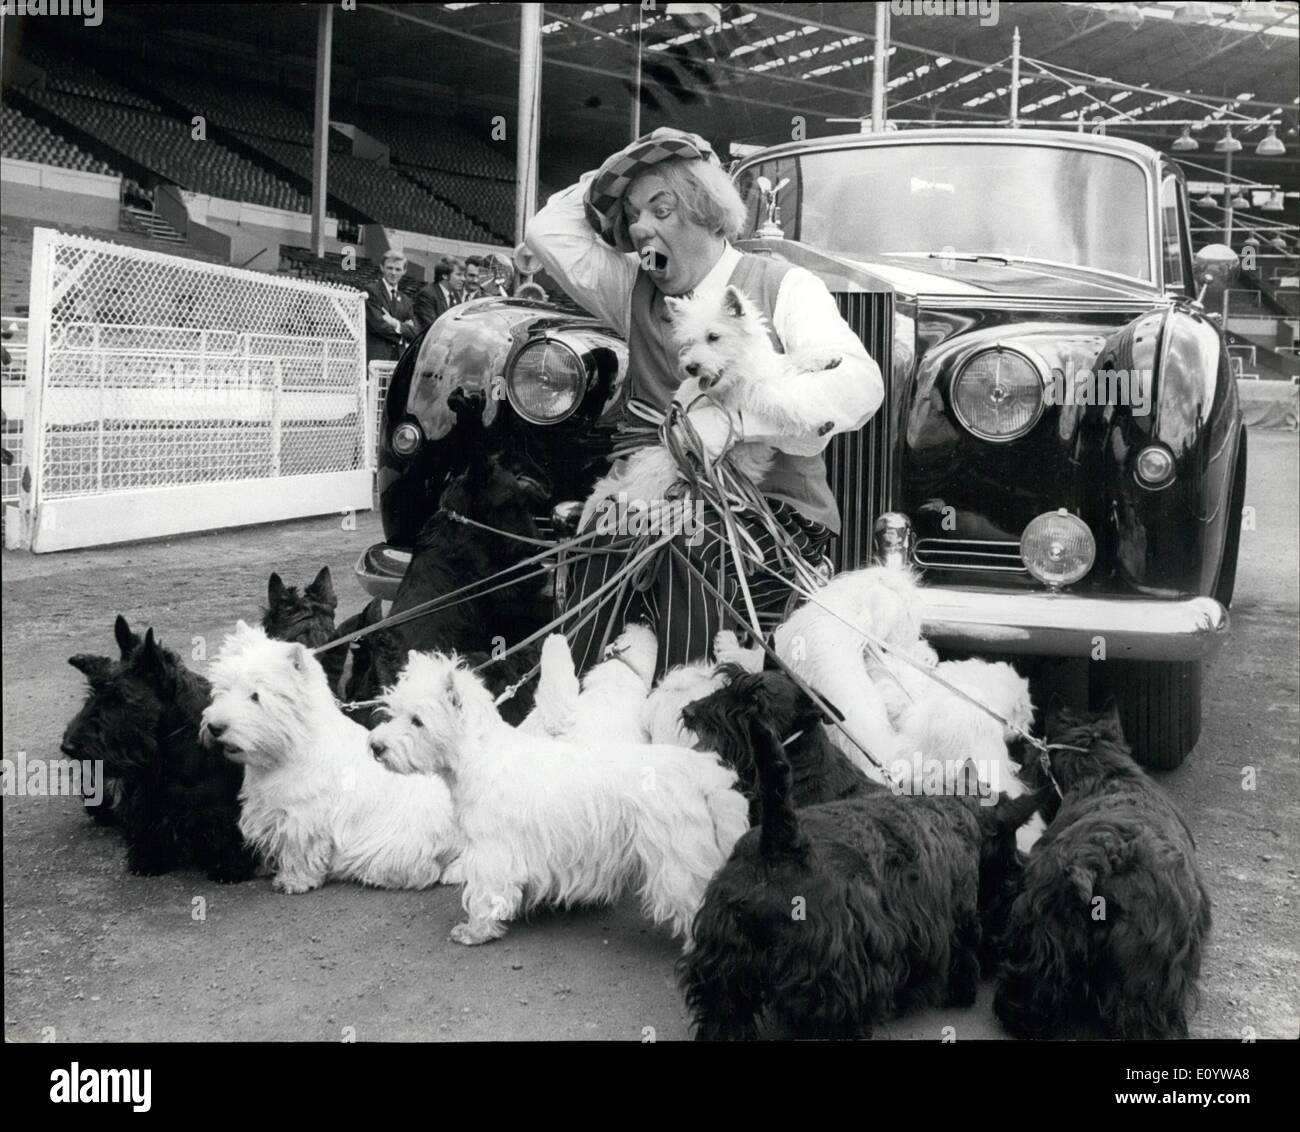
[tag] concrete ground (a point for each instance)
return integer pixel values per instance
(92, 953)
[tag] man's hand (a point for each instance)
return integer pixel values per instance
(391, 322)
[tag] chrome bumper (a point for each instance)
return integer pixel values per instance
(1063, 624)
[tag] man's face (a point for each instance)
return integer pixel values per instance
(471, 275)
(393, 270)
(458, 277)
(675, 253)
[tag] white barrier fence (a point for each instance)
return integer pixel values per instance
(167, 395)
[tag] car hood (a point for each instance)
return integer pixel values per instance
(915, 276)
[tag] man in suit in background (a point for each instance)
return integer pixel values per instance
(435, 298)
(389, 325)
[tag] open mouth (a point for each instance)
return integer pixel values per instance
(655, 259)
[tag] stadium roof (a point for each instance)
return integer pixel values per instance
(744, 78)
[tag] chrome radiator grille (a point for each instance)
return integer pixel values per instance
(859, 465)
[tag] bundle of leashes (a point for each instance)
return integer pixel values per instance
(713, 482)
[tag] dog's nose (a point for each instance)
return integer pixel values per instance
(68, 750)
(693, 369)
(377, 750)
(215, 729)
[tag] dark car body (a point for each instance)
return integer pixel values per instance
(1111, 290)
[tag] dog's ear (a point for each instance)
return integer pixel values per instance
(152, 664)
(275, 590)
(452, 692)
(127, 641)
(1055, 707)
(674, 305)
(1110, 712)
(373, 612)
(298, 658)
(322, 588)
(96, 669)
(1011, 813)
(733, 303)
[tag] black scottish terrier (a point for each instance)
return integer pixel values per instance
(449, 555)
(830, 918)
(94, 733)
(1113, 913)
(176, 802)
(306, 618)
(820, 771)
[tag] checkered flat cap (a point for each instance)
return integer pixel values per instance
(604, 199)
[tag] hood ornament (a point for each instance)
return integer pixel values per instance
(771, 228)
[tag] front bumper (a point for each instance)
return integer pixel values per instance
(1063, 624)
(996, 621)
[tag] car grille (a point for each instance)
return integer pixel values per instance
(859, 465)
(969, 554)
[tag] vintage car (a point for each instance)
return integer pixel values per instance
(1060, 452)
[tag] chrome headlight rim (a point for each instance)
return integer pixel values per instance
(407, 427)
(1153, 485)
(1079, 573)
(543, 341)
(1035, 362)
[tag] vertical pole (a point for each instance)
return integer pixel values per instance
(879, 68)
(1015, 79)
(321, 128)
(1227, 227)
(31, 484)
(530, 92)
(636, 85)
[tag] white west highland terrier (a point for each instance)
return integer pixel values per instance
(938, 727)
(820, 642)
(314, 802)
(661, 713)
(559, 823)
(606, 706)
(725, 346)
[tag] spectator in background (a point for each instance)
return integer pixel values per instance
(389, 325)
(435, 298)
(473, 278)
(457, 279)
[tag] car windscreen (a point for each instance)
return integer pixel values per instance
(1067, 206)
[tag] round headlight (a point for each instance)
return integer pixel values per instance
(1155, 466)
(998, 394)
(1058, 548)
(546, 382)
(406, 438)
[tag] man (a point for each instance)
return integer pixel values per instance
(388, 312)
(435, 298)
(457, 279)
(657, 220)
(473, 278)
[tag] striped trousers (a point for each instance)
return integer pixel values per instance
(668, 596)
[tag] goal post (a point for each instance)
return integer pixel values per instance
(167, 395)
